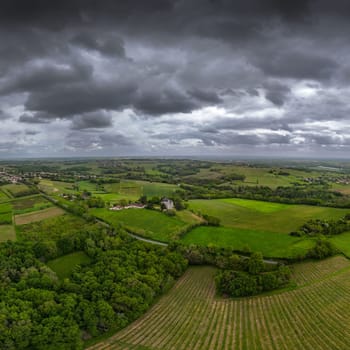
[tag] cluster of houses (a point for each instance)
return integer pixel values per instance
(14, 179)
(129, 206)
(165, 203)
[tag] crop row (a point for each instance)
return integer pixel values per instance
(192, 317)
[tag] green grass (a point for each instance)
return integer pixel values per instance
(263, 216)
(269, 244)
(53, 228)
(148, 223)
(3, 197)
(56, 187)
(342, 242)
(5, 208)
(6, 219)
(64, 265)
(17, 190)
(263, 207)
(27, 205)
(7, 232)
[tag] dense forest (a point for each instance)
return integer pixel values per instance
(39, 311)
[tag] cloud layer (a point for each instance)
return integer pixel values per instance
(166, 77)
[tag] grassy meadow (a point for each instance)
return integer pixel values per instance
(148, 223)
(273, 245)
(263, 216)
(64, 265)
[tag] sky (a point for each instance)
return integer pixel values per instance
(175, 78)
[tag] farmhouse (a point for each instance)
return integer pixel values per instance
(167, 203)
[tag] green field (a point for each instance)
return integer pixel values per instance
(53, 228)
(263, 216)
(133, 190)
(312, 316)
(7, 232)
(6, 219)
(148, 223)
(17, 190)
(342, 242)
(276, 245)
(5, 208)
(3, 197)
(39, 215)
(30, 204)
(64, 265)
(56, 187)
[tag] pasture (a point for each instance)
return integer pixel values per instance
(3, 197)
(147, 223)
(28, 218)
(17, 190)
(56, 187)
(30, 204)
(64, 265)
(312, 316)
(270, 244)
(263, 216)
(53, 228)
(7, 232)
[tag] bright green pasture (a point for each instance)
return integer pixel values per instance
(151, 189)
(3, 197)
(274, 245)
(263, 207)
(263, 216)
(64, 265)
(342, 242)
(148, 223)
(6, 218)
(7, 232)
(5, 208)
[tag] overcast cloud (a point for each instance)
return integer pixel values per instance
(167, 77)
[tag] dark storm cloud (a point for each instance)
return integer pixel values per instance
(98, 119)
(277, 93)
(111, 45)
(35, 118)
(221, 72)
(41, 76)
(299, 65)
(88, 141)
(246, 123)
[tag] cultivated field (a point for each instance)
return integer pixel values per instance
(314, 316)
(30, 204)
(28, 218)
(17, 190)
